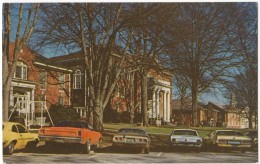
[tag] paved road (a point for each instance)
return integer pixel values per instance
(106, 156)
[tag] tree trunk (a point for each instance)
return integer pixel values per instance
(194, 104)
(250, 120)
(144, 100)
(98, 116)
(5, 46)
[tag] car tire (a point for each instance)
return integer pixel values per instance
(86, 148)
(31, 145)
(243, 151)
(10, 148)
(197, 150)
(146, 151)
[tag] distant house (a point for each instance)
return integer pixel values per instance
(182, 111)
(211, 114)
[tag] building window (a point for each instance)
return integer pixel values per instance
(21, 71)
(61, 81)
(43, 79)
(77, 80)
(61, 101)
(150, 94)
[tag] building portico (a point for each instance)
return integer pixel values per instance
(160, 105)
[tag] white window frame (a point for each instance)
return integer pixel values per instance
(77, 79)
(45, 80)
(62, 81)
(24, 70)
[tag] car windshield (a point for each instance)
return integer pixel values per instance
(132, 131)
(74, 124)
(184, 132)
(228, 133)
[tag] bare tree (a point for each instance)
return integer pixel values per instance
(243, 40)
(9, 63)
(198, 46)
(147, 44)
(99, 31)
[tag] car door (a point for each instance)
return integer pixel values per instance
(16, 136)
(24, 135)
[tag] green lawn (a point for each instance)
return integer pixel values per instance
(203, 131)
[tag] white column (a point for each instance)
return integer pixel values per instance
(80, 112)
(154, 105)
(164, 106)
(169, 105)
(12, 96)
(157, 103)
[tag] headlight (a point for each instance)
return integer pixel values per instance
(199, 140)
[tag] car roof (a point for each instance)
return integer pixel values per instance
(228, 130)
(186, 129)
(10, 123)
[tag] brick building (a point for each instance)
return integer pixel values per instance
(37, 80)
(127, 91)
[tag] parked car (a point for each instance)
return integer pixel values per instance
(132, 138)
(186, 138)
(253, 134)
(228, 140)
(72, 132)
(15, 137)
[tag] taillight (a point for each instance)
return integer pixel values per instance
(118, 138)
(246, 142)
(222, 141)
(41, 131)
(79, 133)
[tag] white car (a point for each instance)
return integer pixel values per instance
(186, 138)
(228, 140)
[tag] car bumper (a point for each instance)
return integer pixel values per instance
(60, 139)
(233, 146)
(130, 145)
(186, 145)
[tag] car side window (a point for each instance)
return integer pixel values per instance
(90, 127)
(14, 129)
(21, 129)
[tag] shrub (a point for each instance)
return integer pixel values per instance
(60, 113)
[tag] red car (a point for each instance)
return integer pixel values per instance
(72, 132)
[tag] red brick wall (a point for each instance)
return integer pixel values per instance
(52, 90)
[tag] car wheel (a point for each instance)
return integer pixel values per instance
(31, 145)
(197, 150)
(10, 148)
(243, 151)
(146, 150)
(86, 148)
